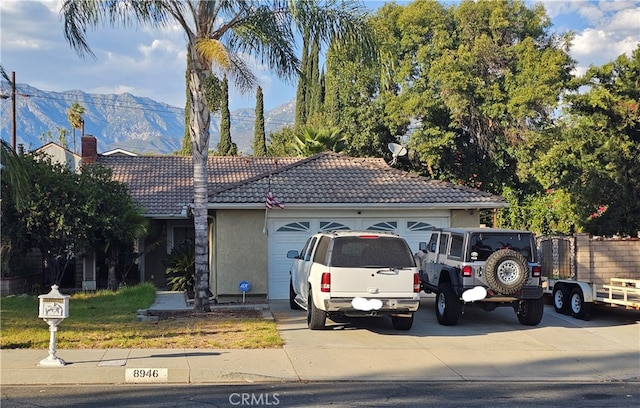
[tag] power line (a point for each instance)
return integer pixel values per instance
(158, 107)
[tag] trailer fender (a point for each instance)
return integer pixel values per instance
(587, 290)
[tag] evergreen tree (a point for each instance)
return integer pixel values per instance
(225, 146)
(301, 92)
(187, 148)
(313, 81)
(259, 138)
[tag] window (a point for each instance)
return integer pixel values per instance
(456, 246)
(333, 226)
(384, 226)
(444, 239)
(483, 245)
(320, 255)
(381, 252)
(295, 227)
(419, 226)
(309, 248)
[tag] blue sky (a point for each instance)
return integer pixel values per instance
(151, 63)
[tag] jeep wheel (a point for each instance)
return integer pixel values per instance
(507, 271)
(561, 297)
(316, 318)
(530, 311)
(579, 309)
(448, 305)
(292, 297)
(402, 323)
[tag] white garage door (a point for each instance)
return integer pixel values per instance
(288, 233)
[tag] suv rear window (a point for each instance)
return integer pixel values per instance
(384, 252)
(483, 245)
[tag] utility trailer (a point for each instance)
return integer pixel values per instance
(575, 298)
(581, 271)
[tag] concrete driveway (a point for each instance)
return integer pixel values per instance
(482, 346)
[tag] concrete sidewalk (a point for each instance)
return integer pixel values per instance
(483, 347)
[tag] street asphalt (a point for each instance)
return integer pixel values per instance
(483, 346)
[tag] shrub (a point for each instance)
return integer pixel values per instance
(181, 270)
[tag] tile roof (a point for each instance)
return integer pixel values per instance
(163, 184)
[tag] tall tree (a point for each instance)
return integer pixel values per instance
(186, 149)
(300, 118)
(219, 33)
(595, 151)
(74, 115)
(226, 147)
(476, 80)
(259, 137)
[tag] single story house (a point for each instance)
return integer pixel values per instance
(248, 242)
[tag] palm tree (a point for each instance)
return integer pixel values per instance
(312, 141)
(74, 115)
(218, 34)
(14, 175)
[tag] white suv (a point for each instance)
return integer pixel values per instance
(353, 274)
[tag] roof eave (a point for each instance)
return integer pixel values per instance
(385, 206)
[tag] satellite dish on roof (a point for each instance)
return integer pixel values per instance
(397, 151)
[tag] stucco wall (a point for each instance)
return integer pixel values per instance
(465, 218)
(240, 251)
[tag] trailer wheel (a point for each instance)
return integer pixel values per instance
(506, 271)
(579, 309)
(561, 297)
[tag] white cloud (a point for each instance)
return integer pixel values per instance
(616, 33)
(151, 62)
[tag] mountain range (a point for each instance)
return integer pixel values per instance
(124, 121)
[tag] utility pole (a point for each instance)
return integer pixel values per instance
(13, 110)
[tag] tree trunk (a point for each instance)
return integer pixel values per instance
(199, 121)
(112, 279)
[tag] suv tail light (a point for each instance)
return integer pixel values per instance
(416, 283)
(325, 282)
(467, 271)
(536, 271)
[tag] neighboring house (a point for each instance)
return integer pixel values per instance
(328, 191)
(62, 155)
(118, 152)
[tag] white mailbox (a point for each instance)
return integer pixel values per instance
(54, 308)
(54, 305)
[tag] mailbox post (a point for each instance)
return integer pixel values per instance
(54, 308)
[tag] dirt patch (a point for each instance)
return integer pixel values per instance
(222, 314)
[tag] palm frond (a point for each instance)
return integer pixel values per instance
(80, 16)
(214, 52)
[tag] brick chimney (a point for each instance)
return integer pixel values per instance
(89, 149)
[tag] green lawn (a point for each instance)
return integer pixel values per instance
(106, 319)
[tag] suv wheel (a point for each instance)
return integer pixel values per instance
(530, 311)
(402, 323)
(506, 271)
(316, 318)
(448, 306)
(292, 297)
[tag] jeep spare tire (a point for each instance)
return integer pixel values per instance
(506, 271)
